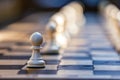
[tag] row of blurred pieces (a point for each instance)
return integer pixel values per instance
(57, 29)
(63, 26)
(111, 13)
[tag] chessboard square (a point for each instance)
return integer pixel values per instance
(104, 53)
(106, 58)
(9, 72)
(95, 77)
(99, 41)
(75, 62)
(76, 51)
(104, 42)
(38, 72)
(92, 40)
(104, 72)
(75, 72)
(107, 67)
(100, 45)
(75, 54)
(102, 48)
(99, 62)
(78, 42)
(75, 58)
(18, 53)
(14, 57)
(100, 35)
(75, 67)
(10, 67)
(96, 37)
(74, 48)
(12, 62)
(52, 62)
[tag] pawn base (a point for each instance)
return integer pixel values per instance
(36, 64)
(51, 51)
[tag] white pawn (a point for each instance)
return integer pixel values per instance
(51, 46)
(36, 59)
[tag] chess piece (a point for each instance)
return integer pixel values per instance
(51, 46)
(61, 35)
(71, 25)
(36, 59)
(74, 18)
(79, 17)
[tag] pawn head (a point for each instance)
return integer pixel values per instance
(51, 27)
(36, 39)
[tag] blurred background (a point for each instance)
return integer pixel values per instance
(13, 10)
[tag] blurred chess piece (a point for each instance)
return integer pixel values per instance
(61, 36)
(56, 36)
(79, 8)
(36, 59)
(111, 14)
(51, 46)
(74, 17)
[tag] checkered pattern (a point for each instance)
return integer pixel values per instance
(89, 56)
(94, 57)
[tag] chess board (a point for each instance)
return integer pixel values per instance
(90, 55)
